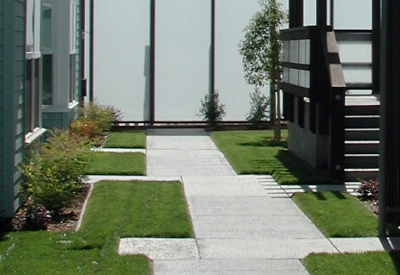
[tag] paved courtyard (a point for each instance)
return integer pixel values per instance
(243, 224)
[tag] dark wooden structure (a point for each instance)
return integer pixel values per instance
(314, 87)
(389, 199)
(314, 92)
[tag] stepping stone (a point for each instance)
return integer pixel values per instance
(161, 249)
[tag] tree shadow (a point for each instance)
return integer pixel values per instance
(304, 172)
(266, 142)
(392, 247)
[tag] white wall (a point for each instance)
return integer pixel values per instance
(182, 56)
(121, 66)
(183, 41)
(234, 92)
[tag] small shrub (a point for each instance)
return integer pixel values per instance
(259, 104)
(368, 190)
(32, 217)
(83, 127)
(211, 110)
(56, 173)
(95, 119)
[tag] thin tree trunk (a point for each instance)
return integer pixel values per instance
(273, 108)
(278, 122)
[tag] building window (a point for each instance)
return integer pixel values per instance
(73, 34)
(28, 96)
(47, 49)
(47, 79)
(32, 106)
(72, 73)
(47, 32)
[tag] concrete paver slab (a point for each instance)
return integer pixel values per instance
(94, 179)
(187, 163)
(119, 150)
(236, 266)
(359, 245)
(222, 186)
(255, 227)
(159, 248)
(262, 249)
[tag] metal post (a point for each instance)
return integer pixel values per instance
(322, 12)
(212, 57)
(296, 13)
(91, 54)
(383, 128)
(152, 59)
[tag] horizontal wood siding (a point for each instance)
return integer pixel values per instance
(1, 96)
(12, 128)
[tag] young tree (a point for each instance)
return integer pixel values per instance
(261, 51)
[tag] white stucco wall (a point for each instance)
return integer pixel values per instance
(182, 53)
(183, 41)
(234, 92)
(121, 55)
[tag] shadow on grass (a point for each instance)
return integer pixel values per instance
(305, 173)
(266, 142)
(394, 232)
(395, 255)
(320, 196)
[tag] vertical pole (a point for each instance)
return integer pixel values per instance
(83, 52)
(376, 43)
(383, 129)
(91, 54)
(332, 15)
(212, 57)
(322, 11)
(296, 13)
(296, 19)
(152, 59)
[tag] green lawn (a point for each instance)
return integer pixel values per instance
(115, 209)
(338, 214)
(136, 139)
(376, 263)
(117, 164)
(254, 152)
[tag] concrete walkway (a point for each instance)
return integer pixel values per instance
(243, 224)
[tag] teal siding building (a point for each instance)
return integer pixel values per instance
(40, 81)
(12, 80)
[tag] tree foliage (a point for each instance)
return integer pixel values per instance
(261, 51)
(261, 48)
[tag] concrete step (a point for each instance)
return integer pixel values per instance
(353, 174)
(362, 134)
(361, 160)
(362, 121)
(362, 110)
(361, 147)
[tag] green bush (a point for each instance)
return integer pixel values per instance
(95, 119)
(259, 107)
(211, 110)
(55, 174)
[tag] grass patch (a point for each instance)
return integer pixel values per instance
(378, 263)
(254, 152)
(115, 209)
(138, 209)
(117, 164)
(136, 139)
(338, 214)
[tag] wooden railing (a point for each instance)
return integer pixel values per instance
(312, 71)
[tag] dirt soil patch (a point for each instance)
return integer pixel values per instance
(69, 218)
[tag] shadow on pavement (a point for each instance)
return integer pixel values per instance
(176, 132)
